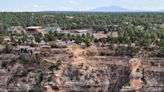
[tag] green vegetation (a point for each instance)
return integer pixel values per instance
(145, 30)
(31, 58)
(98, 21)
(38, 37)
(51, 37)
(1, 40)
(8, 48)
(55, 66)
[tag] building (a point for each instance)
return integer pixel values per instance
(36, 29)
(45, 48)
(70, 17)
(82, 31)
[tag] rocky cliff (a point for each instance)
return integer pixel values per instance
(77, 69)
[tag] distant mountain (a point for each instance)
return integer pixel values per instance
(108, 9)
(111, 9)
(120, 9)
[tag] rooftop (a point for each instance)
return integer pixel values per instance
(81, 31)
(34, 27)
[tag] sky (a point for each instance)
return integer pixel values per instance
(78, 5)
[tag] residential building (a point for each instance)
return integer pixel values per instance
(36, 29)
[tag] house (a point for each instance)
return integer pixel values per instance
(63, 31)
(82, 31)
(69, 17)
(36, 29)
(75, 32)
(45, 47)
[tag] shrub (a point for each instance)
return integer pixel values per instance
(8, 48)
(52, 44)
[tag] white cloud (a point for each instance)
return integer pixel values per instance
(36, 6)
(72, 2)
(74, 8)
(145, 8)
(62, 8)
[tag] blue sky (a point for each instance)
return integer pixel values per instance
(78, 5)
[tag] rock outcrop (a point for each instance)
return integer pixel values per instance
(82, 70)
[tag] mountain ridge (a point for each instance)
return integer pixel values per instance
(120, 9)
(110, 8)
